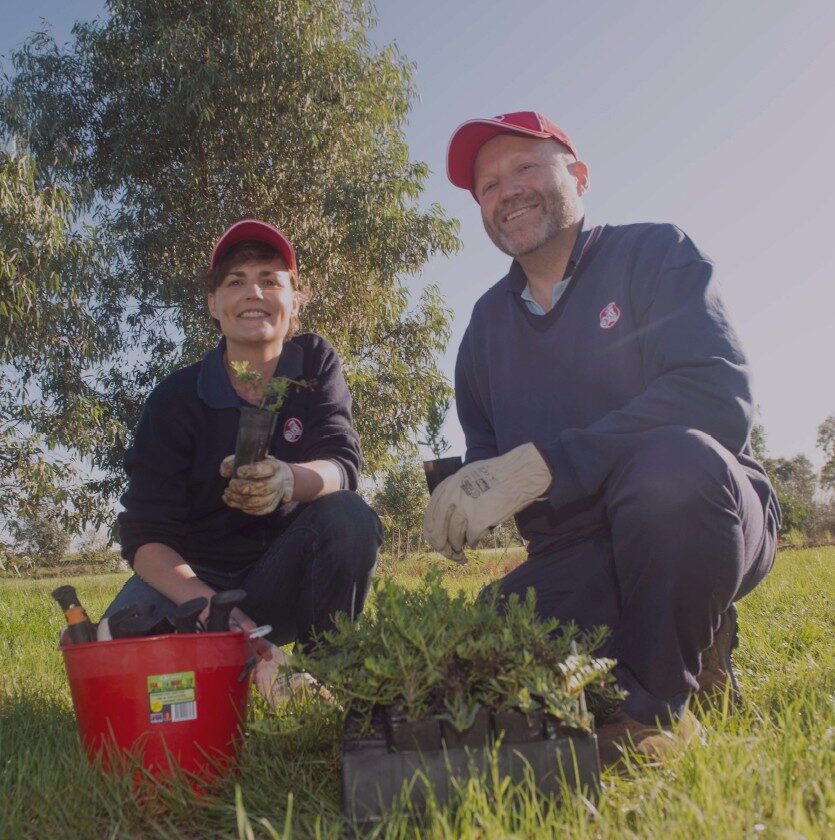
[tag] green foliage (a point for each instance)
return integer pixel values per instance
(50, 337)
(41, 536)
(401, 499)
(794, 481)
(168, 120)
(769, 763)
(826, 442)
(441, 654)
(275, 391)
(438, 409)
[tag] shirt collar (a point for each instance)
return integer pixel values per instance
(517, 280)
(214, 387)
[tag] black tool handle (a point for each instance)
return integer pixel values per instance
(186, 615)
(222, 605)
(79, 627)
(134, 626)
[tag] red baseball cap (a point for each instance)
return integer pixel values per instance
(470, 136)
(253, 230)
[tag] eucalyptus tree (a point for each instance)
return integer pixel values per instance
(169, 119)
(50, 340)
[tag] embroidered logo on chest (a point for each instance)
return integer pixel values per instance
(292, 429)
(609, 316)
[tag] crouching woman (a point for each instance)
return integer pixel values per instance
(289, 530)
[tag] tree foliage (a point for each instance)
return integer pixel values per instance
(826, 442)
(402, 496)
(169, 119)
(50, 336)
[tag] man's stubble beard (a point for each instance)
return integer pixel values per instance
(557, 216)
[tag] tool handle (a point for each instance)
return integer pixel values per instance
(186, 615)
(222, 605)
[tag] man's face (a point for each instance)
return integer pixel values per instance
(529, 191)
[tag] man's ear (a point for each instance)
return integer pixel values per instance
(580, 173)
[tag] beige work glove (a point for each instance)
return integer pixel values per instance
(481, 495)
(259, 488)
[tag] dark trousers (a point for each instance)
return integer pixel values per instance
(322, 564)
(685, 536)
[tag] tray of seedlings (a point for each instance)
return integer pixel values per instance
(439, 686)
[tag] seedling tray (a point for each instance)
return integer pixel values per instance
(429, 756)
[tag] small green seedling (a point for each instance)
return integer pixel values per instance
(275, 391)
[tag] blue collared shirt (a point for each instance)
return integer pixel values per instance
(534, 306)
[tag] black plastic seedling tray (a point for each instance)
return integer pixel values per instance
(431, 755)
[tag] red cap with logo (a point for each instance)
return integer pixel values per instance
(470, 136)
(253, 230)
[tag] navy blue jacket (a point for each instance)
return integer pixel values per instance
(640, 339)
(189, 425)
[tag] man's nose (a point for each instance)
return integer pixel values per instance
(509, 187)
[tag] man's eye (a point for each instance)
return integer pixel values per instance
(488, 187)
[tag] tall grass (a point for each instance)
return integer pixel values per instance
(765, 770)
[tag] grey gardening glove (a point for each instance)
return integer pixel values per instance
(481, 495)
(257, 489)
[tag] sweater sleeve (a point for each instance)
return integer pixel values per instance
(330, 434)
(478, 430)
(696, 376)
(157, 463)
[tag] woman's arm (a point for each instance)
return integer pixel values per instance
(161, 567)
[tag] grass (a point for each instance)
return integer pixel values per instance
(763, 771)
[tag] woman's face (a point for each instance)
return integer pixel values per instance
(254, 304)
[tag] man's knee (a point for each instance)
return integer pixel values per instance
(672, 472)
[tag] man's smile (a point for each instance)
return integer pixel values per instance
(518, 213)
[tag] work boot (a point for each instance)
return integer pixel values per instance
(717, 674)
(658, 743)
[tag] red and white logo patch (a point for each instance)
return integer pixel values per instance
(609, 316)
(292, 429)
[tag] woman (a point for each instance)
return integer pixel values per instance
(289, 530)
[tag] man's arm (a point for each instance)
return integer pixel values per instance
(697, 377)
(472, 414)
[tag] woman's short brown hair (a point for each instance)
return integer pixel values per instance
(245, 252)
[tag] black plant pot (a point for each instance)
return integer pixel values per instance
(377, 765)
(439, 469)
(255, 431)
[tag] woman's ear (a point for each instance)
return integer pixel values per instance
(210, 300)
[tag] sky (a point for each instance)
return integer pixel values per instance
(715, 116)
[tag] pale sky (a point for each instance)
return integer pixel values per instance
(717, 116)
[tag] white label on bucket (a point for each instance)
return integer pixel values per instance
(171, 697)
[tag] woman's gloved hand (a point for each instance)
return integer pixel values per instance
(257, 489)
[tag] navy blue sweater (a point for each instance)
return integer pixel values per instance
(189, 425)
(640, 339)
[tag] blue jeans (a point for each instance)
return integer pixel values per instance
(322, 564)
(685, 536)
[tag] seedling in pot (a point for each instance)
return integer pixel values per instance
(257, 423)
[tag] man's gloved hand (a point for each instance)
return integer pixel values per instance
(482, 495)
(258, 488)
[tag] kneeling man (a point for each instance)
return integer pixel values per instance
(606, 401)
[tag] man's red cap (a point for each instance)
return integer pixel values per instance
(253, 230)
(470, 136)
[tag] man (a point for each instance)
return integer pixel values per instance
(606, 402)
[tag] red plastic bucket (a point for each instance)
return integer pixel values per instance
(175, 702)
